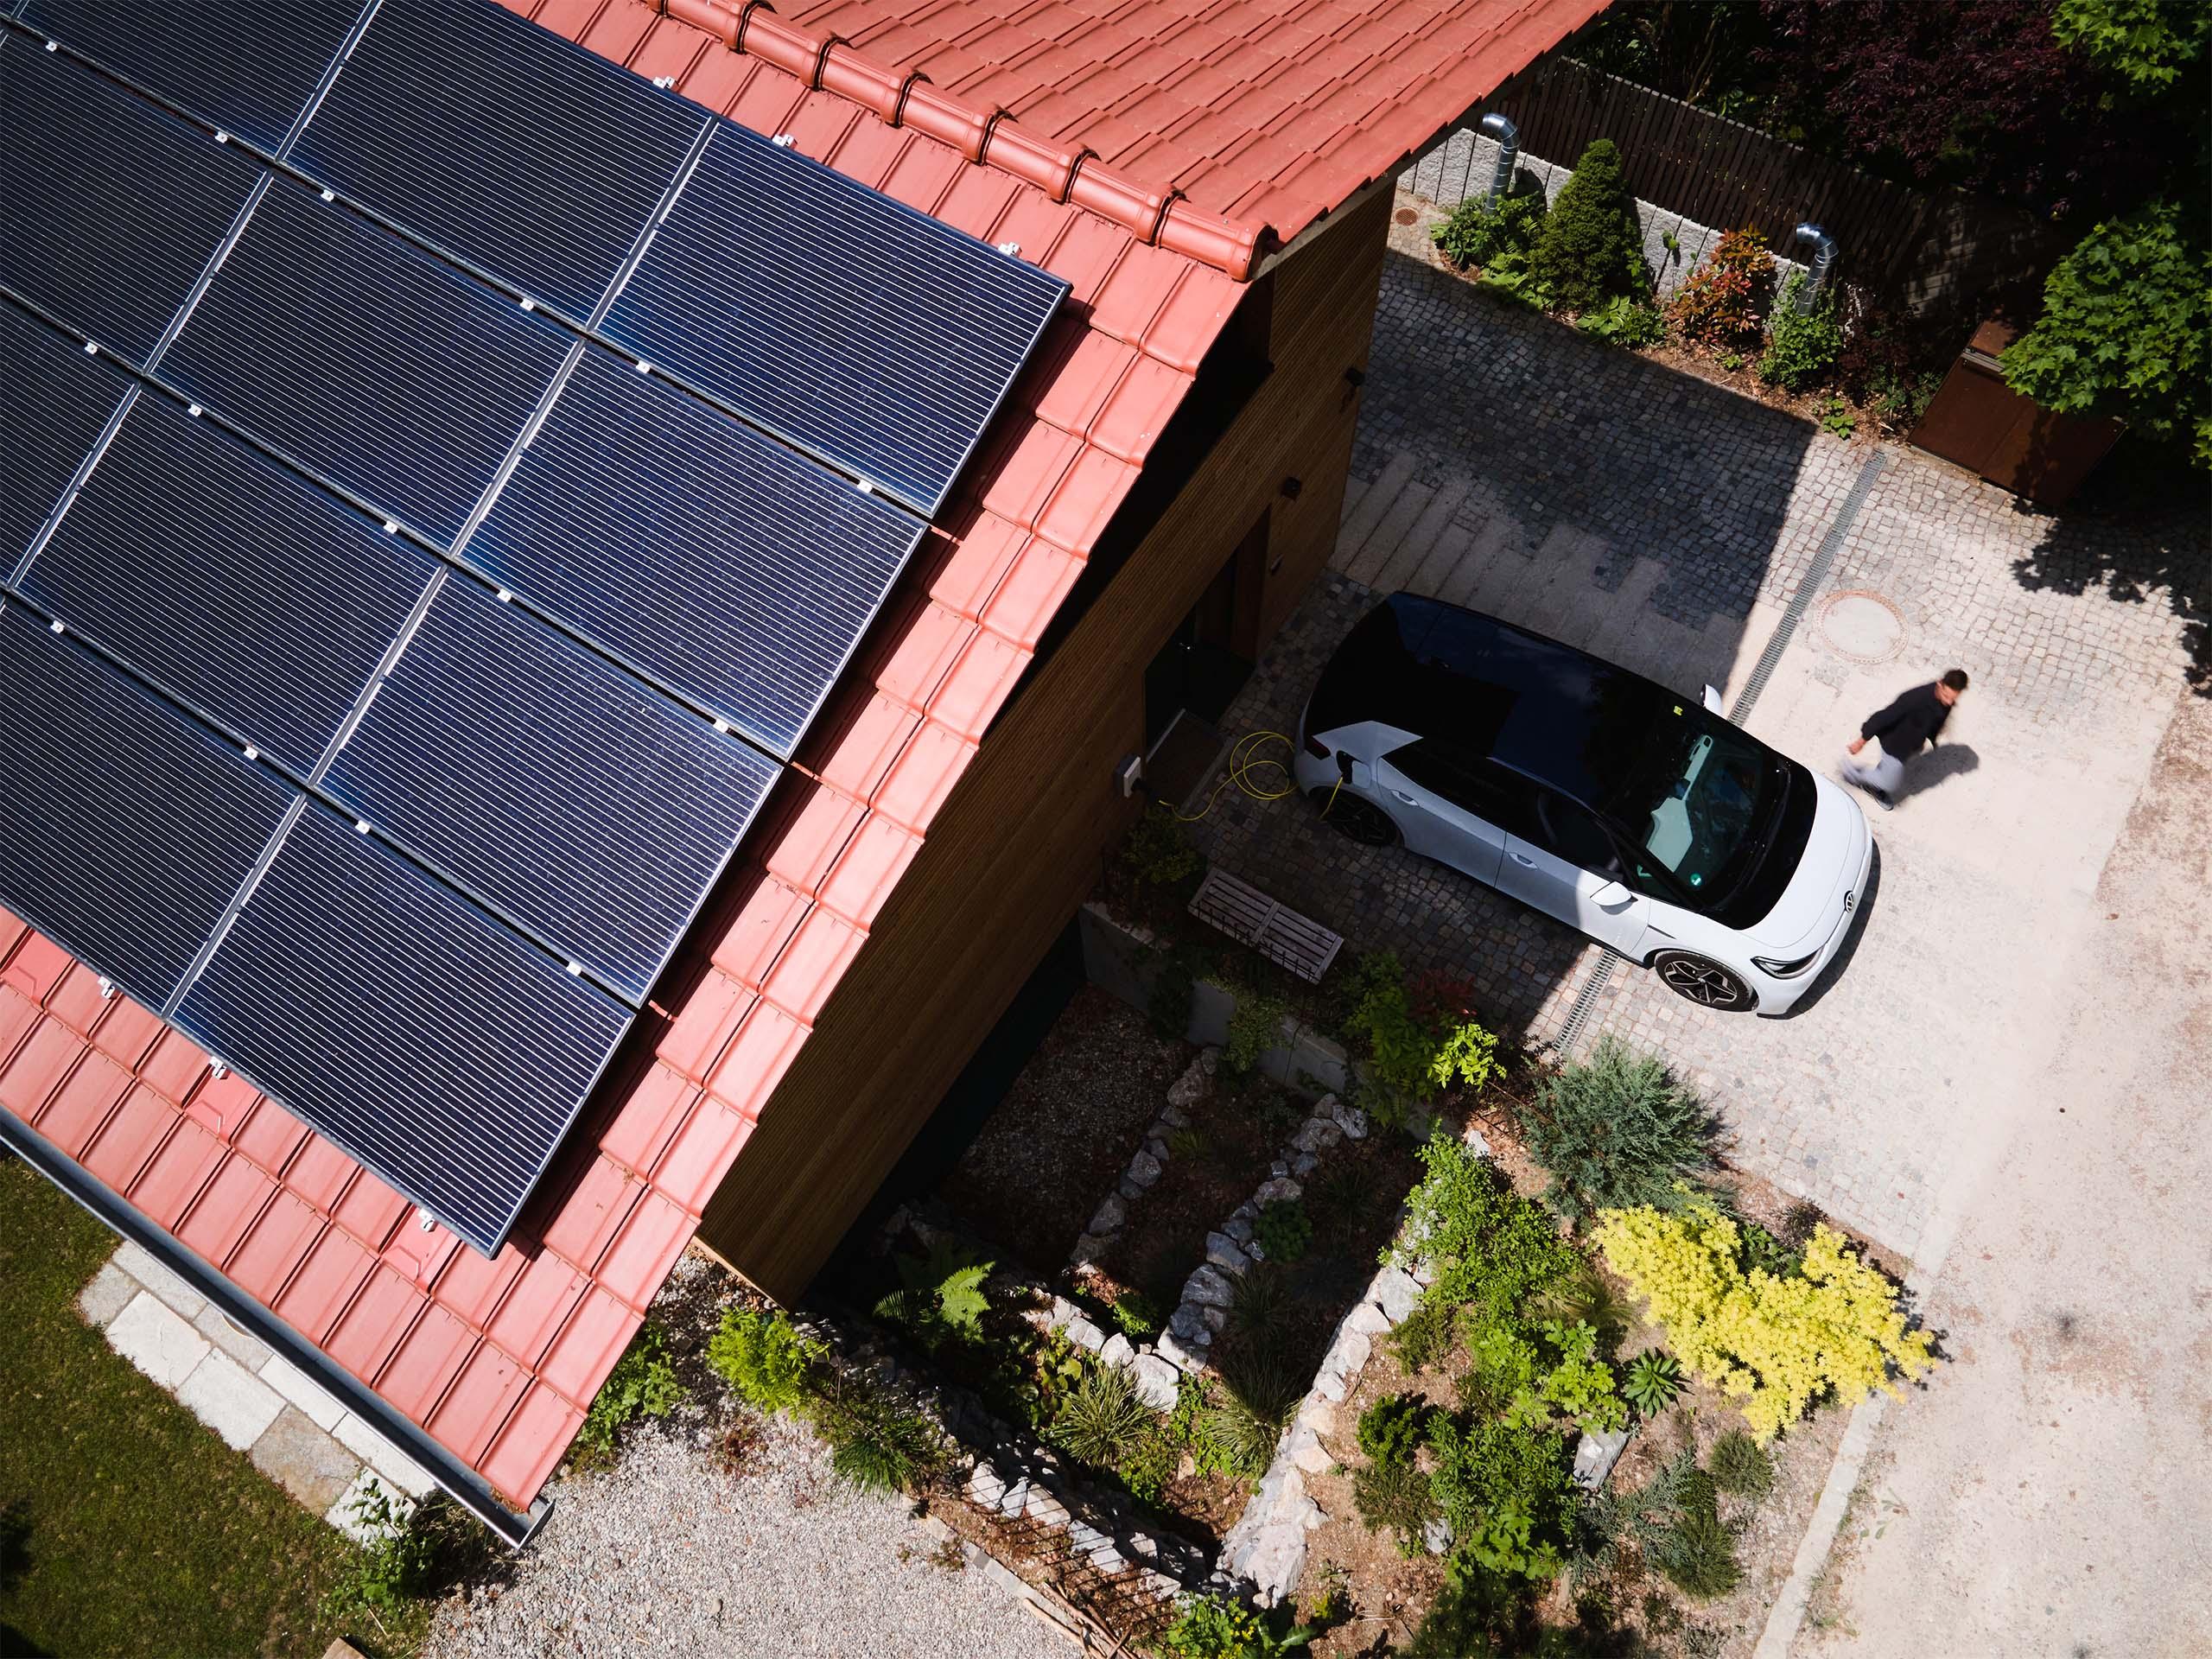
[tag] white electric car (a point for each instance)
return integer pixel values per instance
(1636, 815)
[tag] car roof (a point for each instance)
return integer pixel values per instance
(1443, 672)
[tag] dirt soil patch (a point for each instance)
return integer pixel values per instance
(1065, 1132)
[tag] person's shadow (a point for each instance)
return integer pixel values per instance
(1941, 764)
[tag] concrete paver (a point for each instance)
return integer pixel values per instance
(303, 1459)
(153, 1338)
(230, 1400)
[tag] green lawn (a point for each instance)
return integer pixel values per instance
(126, 1527)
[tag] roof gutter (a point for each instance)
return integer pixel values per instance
(464, 1484)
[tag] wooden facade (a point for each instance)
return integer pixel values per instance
(1021, 841)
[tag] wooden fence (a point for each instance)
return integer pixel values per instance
(1924, 248)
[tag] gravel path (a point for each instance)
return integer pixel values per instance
(666, 1553)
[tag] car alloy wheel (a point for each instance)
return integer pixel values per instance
(1705, 983)
(1349, 815)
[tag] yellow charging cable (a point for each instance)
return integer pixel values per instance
(1253, 773)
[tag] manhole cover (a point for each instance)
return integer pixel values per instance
(1862, 626)
(1405, 215)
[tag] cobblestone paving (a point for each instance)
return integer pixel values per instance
(1683, 517)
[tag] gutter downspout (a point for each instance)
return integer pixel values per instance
(464, 1484)
(1495, 125)
(1823, 247)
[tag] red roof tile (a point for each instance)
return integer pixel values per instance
(501, 1360)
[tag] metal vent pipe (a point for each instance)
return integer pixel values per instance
(1495, 125)
(1823, 246)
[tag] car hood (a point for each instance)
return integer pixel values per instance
(1835, 851)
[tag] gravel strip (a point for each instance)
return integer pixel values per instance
(666, 1553)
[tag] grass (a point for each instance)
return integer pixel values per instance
(126, 1526)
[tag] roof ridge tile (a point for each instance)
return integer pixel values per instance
(990, 137)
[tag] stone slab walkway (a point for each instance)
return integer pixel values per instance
(294, 1431)
(1506, 462)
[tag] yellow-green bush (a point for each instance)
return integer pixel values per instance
(1774, 1344)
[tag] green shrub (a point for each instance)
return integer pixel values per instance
(1616, 1132)
(1591, 248)
(1134, 1313)
(1653, 1383)
(1213, 1627)
(1721, 302)
(1390, 1429)
(1492, 1249)
(1505, 1491)
(1481, 229)
(1576, 1384)
(1253, 1028)
(1801, 345)
(1837, 419)
(1159, 852)
(1588, 1298)
(1400, 1052)
(1625, 321)
(1419, 1340)
(1504, 1361)
(1466, 1057)
(1740, 1464)
(1101, 1415)
(1677, 1520)
(1764, 1253)
(1284, 1231)
(763, 1356)
(643, 1383)
(414, 1552)
(1395, 1499)
(1477, 1614)
(1174, 985)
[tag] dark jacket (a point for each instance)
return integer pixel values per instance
(1912, 720)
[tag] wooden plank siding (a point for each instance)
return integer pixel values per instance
(1021, 841)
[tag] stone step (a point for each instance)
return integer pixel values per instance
(1443, 557)
(1630, 601)
(1413, 552)
(1396, 521)
(1572, 581)
(1493, 562)
(1360, 523)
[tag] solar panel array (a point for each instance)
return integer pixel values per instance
(447, 473)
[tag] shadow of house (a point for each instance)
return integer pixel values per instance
(1614, 503)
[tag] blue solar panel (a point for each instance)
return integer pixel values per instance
(370, 364)
(111, 209)
(431, 1043)
(707, 556)
(501, 142)
(238, 585)
(54, 402)
(843, 321)
(248, 67)
(593, 811)
(124, 829)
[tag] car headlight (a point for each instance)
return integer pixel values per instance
(1783, 969)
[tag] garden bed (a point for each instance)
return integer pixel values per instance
(1066, 1130)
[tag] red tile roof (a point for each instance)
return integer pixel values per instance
(498, 1360)
(1217, 129)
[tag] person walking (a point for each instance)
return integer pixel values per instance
(1875, 758)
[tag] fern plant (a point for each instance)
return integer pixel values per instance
(944, 1294)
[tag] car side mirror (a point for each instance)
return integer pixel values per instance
(1613, 896)
(1713, 699)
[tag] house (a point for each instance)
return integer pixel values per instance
(1212, 183)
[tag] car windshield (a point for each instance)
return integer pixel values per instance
(1692, 794)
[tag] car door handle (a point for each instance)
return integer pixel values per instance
(1401, 795)
(1523, 858)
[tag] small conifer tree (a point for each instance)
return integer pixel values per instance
(1591, 249)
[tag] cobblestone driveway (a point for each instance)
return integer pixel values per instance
(1507, 462)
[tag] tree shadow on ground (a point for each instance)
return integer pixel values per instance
(15, 1566)
(2158, 557)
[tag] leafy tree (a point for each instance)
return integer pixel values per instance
(1589, 248)
(2148, 43)
(2123, 331)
